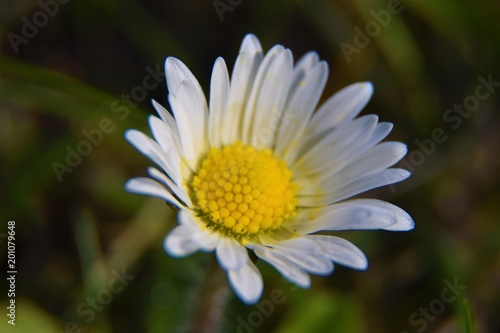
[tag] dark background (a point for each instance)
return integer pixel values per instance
(77, 229)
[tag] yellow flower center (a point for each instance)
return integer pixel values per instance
(243, 190)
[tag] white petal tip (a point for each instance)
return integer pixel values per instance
(247, 283)
(367, 86)
(362, 264)
(135, 185)
(129, 134)
(172, 61)
(250, 44)
(127, 186)
(403, 224)
(362, 268)
(178, 242)
(405, 174)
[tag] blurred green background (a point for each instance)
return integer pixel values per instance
(77, 229)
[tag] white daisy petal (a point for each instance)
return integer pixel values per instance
(382, 156)
(164, 138)
(191, 113)
(341, 156)
(147, 186)
(304, 253)
(260, 78)
(288, 269)
(247, 283)
(305, 64)
(161, 133)
(305, 92)
(149, 148)
(333, 143)
(379, 158)
(381, 131)
(185, 217)
(341, 251)
(178, 74)
(164, 115)
(271, 99)
(359, 148)
(219, 98)
(179, 191)
(251, 45)
(180, 242)
(346, 188)
(242, 79)
(205, 239)
(189, 107)
(343, 106)
(230, 254)
(367, 182)
(366, 214)
(402, 220)
(170, 124)
(184, 239)
(208, 240)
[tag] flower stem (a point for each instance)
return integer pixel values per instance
(211, 301)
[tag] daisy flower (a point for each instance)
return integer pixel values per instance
(256, 169)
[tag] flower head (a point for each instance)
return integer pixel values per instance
(258, 170)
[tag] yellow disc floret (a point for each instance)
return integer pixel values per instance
(244, 190)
